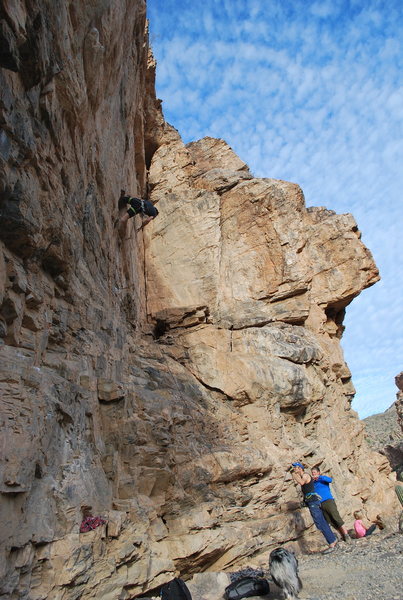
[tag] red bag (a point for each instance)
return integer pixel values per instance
(90, 523)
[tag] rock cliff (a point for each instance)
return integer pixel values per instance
(164, 378)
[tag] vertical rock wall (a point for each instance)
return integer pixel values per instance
(73, 112)
(180, 441)
(248, 289)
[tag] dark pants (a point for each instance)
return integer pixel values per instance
(370, 530)
(320, 521)
(331, 513)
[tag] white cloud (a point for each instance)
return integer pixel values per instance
(324, 9)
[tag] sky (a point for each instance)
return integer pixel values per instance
(308, 91)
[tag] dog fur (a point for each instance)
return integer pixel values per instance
(284, 571)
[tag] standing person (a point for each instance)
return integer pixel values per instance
(328, 504)
(136, 206)
(312, 501)
(359, 527)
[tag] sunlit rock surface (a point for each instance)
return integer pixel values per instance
(166, 380)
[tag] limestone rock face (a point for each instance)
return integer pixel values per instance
(249, 283)
(164, 378)
(248, 249)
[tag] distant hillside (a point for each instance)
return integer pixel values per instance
(385, 435)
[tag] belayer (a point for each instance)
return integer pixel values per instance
(136, 206)
(328, 505)
(313, 501)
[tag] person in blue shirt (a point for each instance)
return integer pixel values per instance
(312, 501)
(328, 504)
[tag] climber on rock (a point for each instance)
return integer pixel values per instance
(135, 206)
(328, 505)
(312, 500)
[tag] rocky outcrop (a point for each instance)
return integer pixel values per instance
(399, 398)
(166, 381)
(384, 434)
(258, 272)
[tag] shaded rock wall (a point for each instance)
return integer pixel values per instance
(181, 442)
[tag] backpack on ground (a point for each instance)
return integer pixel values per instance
(175, 590)
(247, 587)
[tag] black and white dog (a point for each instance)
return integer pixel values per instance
(284, 571)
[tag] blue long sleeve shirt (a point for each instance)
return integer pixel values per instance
(322, 487)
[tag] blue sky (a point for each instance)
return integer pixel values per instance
(310, 91)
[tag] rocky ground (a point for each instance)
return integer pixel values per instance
(366, 569)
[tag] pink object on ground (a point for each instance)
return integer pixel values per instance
(359, 528)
